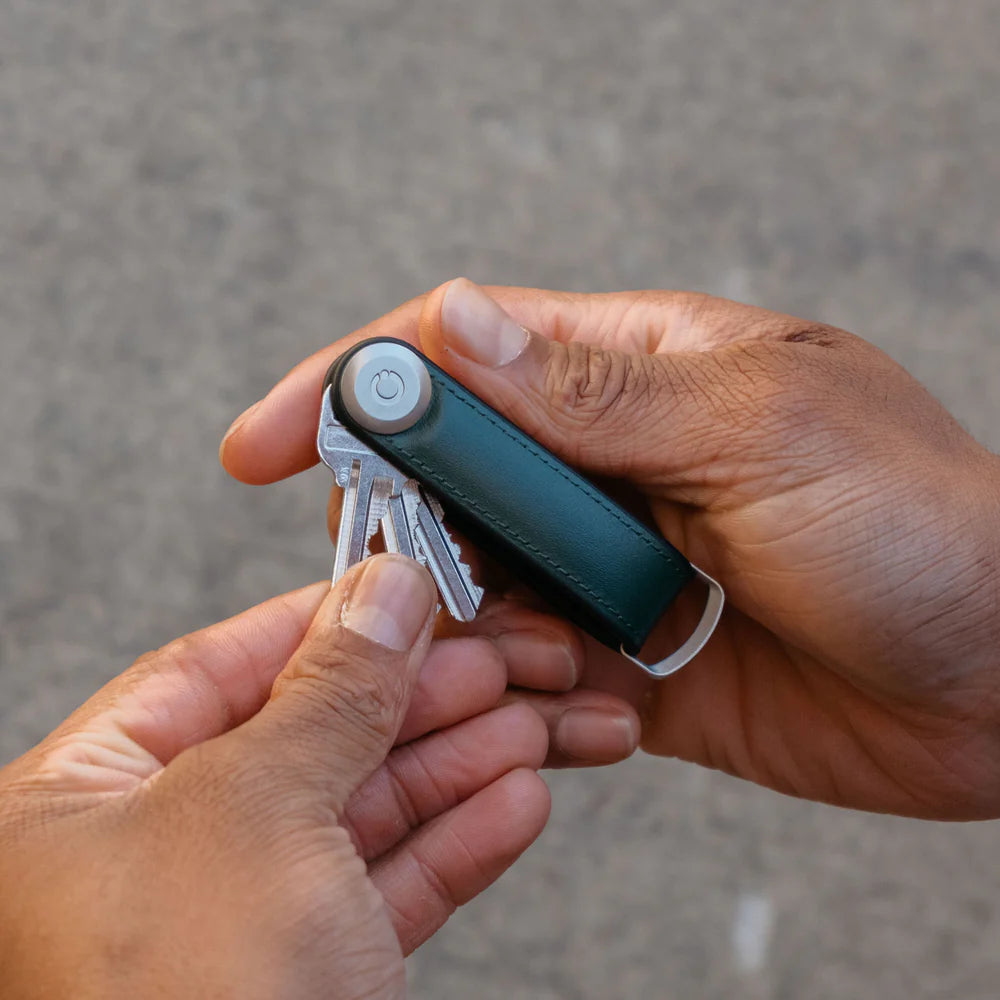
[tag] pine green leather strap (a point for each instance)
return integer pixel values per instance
(556, 531)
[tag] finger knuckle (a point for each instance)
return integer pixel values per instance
(184, 655)
(409, 773)
(438, 880)
(362, 699)
(589, 384)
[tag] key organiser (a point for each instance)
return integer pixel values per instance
(579, 549)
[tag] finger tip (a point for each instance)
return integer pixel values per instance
(229, 451)
(575, 652)
(392, 601)
(630, 722)
(540, 651)
(429, 326)
(528, 788)
(313, 592)
(242, 463)
(403, 563)
(232, 454)
(276, 437)
(531, 731)
(490, 666)
(478, 665)
(596, 735)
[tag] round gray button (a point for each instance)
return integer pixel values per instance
(385, 387)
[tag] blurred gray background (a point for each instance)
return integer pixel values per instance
(196, 194)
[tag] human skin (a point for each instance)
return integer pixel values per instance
(279, 805)
(852, 521)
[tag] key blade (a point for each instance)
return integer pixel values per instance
(464, 569)
(453, 577)
(362, 509)
(377, 495)
(347, 551)
(378, 507)
(397, 532)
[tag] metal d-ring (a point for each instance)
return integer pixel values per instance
(696, 642)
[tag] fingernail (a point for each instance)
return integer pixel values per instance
(390, 603)
(238, 423)
(476, 327)
(551, 660)
(596, 735)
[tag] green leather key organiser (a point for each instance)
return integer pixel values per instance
(586, 555)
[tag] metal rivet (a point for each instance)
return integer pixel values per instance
(385, 387)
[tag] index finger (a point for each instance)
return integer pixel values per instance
(276, 438)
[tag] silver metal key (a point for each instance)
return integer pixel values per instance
(377, 496)
(437, 550)
(454, 445)
(367, 481)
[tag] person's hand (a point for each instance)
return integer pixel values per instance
(853, 522)
(229, 817)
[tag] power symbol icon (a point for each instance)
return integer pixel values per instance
(387, 386)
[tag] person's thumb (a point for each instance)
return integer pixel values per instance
(336, 708)
(675, 421)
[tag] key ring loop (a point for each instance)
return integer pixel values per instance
(696, 642)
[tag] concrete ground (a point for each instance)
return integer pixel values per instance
(194, 195)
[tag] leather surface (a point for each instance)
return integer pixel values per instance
(550, 526)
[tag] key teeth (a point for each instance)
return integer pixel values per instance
(461, 597)
(434, 505)
(418, 551)
(475, 592)
(463, 567)
(472, 592)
